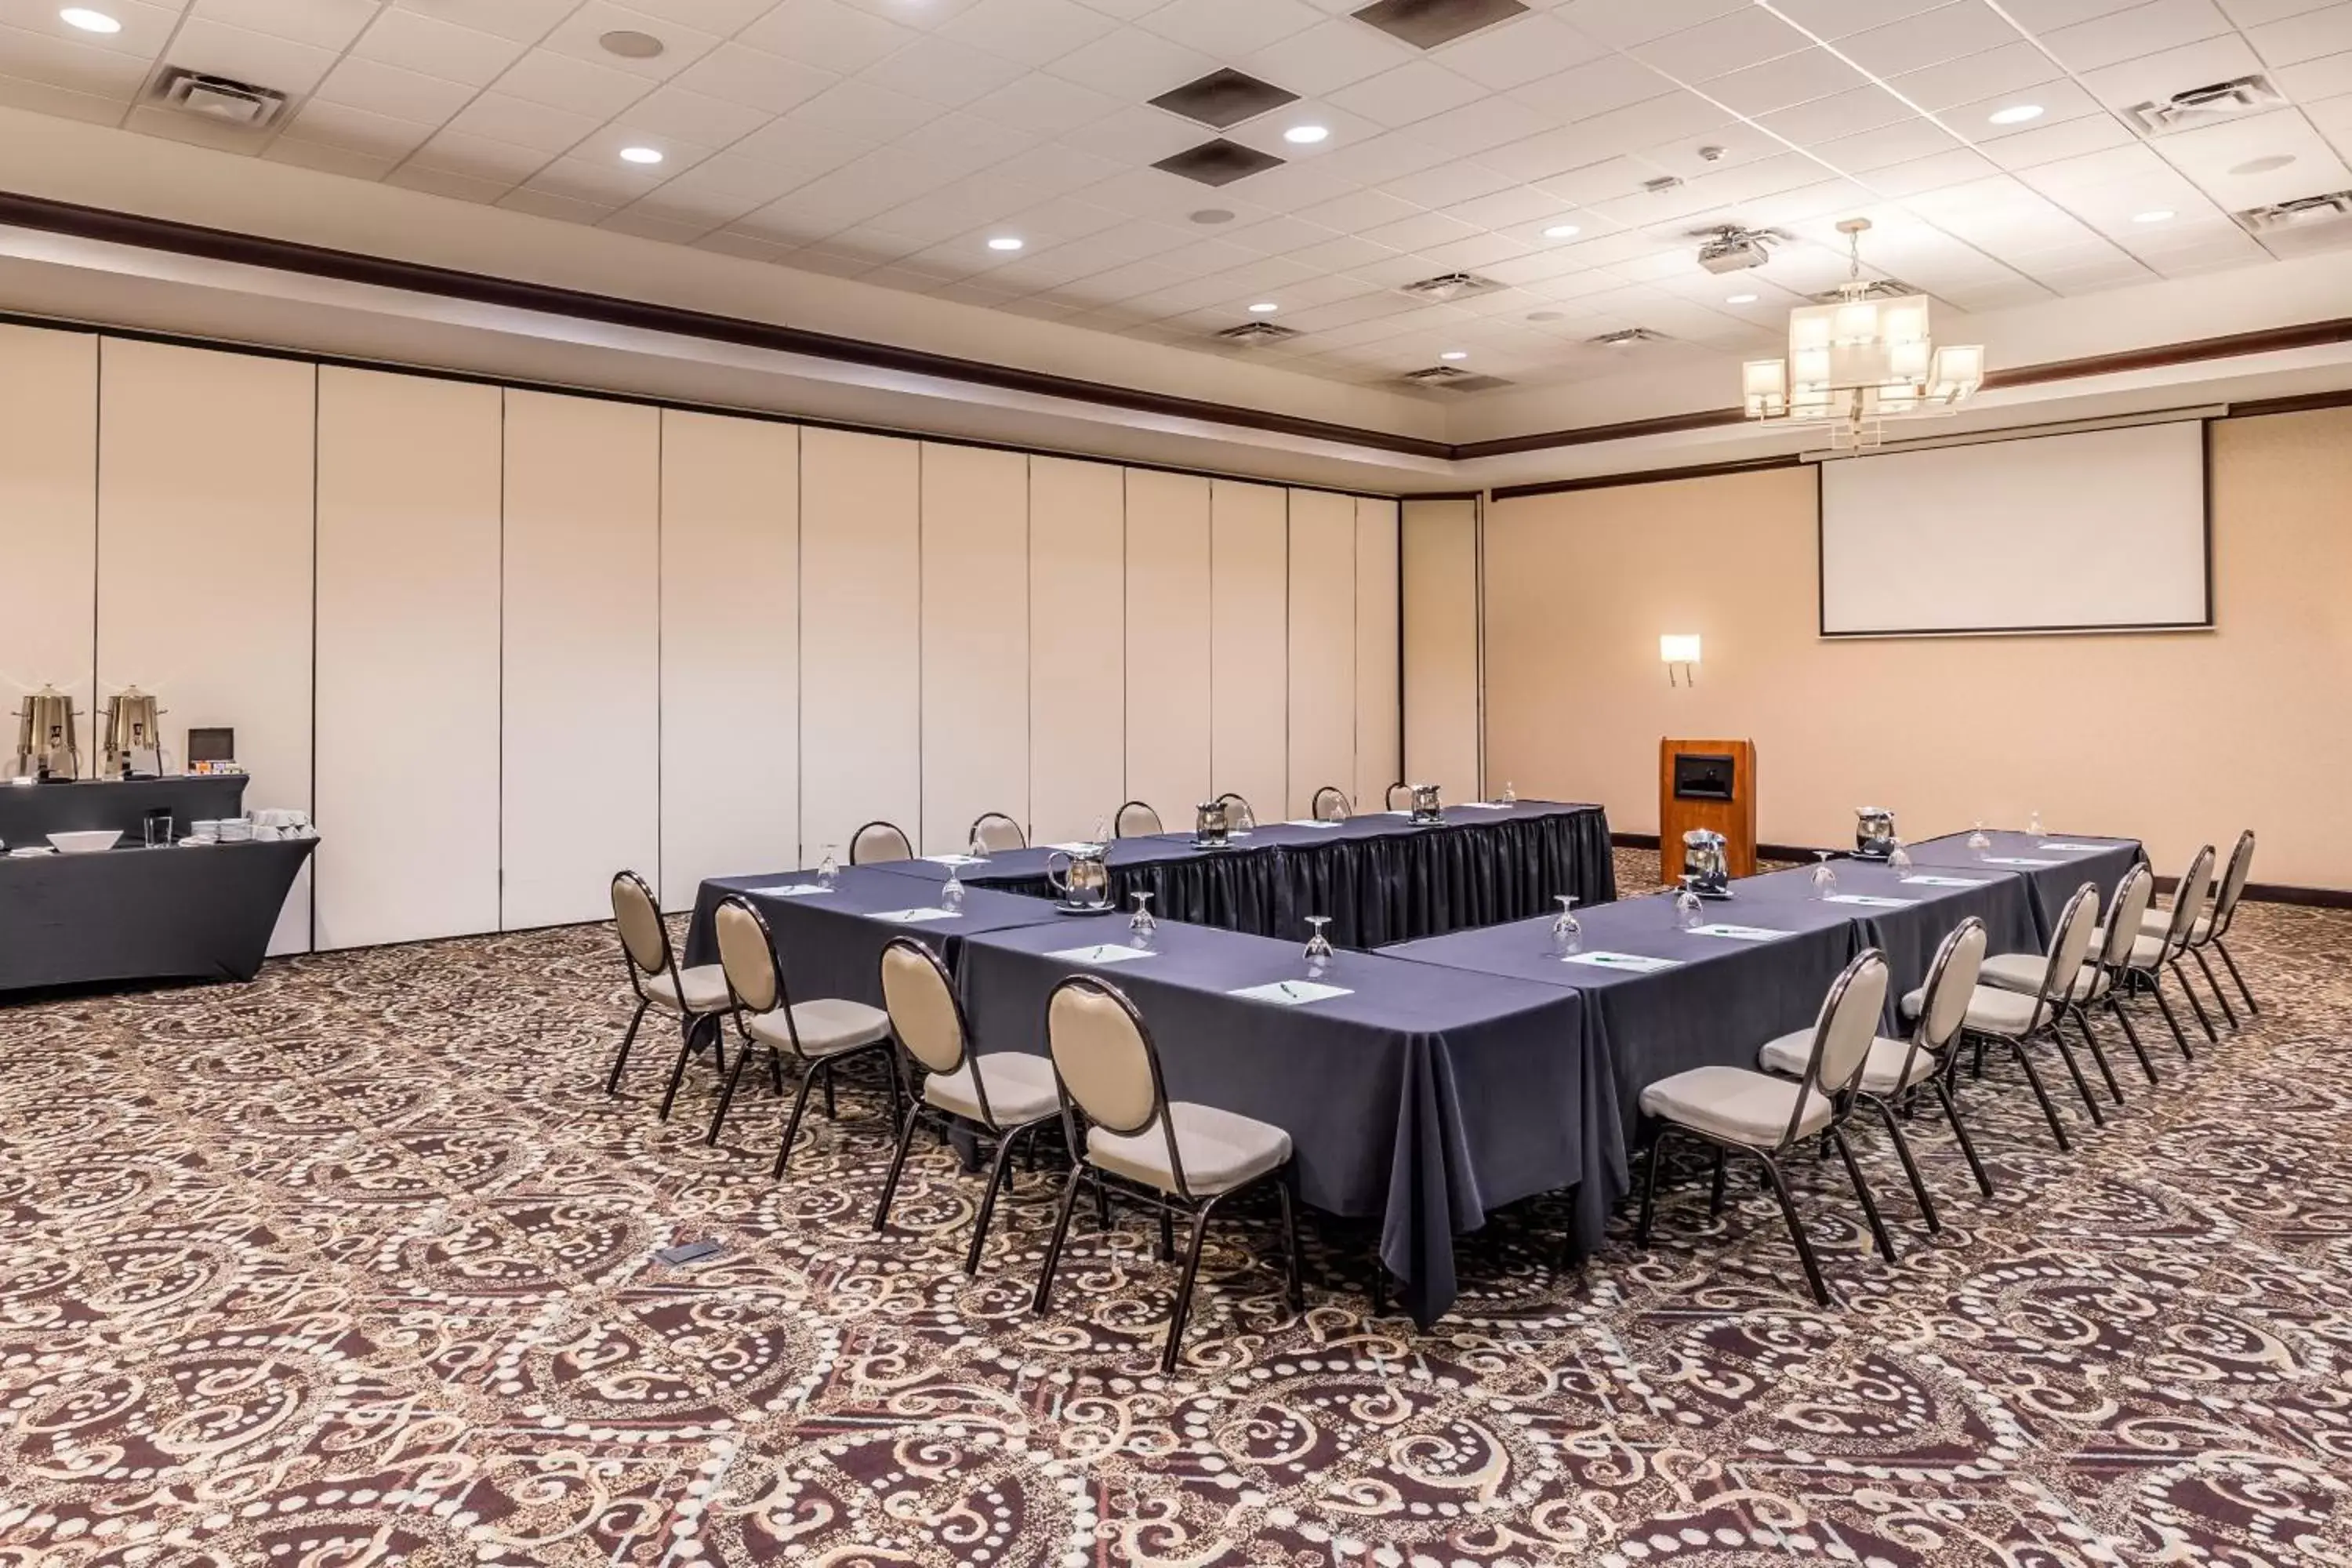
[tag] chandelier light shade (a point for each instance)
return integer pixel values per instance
(1858, 361)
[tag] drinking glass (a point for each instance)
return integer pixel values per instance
(1509, 795)
(828, 870)
(1688, 912)
(1140, 925)
(1244, 820)
(1824, 876)
(1339, 810)
(2033, 822)
(1318, 947)
(1567, 936)
(1978, 841)
(951, 892)
(1102, 831)
(1899, 859)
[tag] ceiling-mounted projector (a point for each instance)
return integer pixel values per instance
(1732, 248)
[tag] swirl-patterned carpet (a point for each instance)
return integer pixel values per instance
(353, 1265)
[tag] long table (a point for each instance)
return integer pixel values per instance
(204, 913)
(2052, 864)
(1381, 878)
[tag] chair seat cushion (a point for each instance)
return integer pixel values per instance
(1750, 1108)
(2023, 972)
(2155, 922)
(827, 1027)
(1883, 1075)
(1221, 1150)
(1020, 1088)
(705, 989)
(1992, 1010)
(2147, 951)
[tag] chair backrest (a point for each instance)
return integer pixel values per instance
(879, 841)
(1330, 804)
(1105, 1063)
(2133, 895)
(993, 831)
(2070, 944)
(747, 952)
(2233, 883)
(1243, 817)
(1396, 789)
(1951, 979)
(1137, 820)
(924, 1012)
(644, 939)
(1842, 1032)
(2189, 902)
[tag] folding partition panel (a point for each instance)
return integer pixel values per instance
(1249, 594)
(729, 649)
(580, 783)
(1322, 646)
(408, 622)
(204, 559)
(48, 511)
(975, 640)
(1169, 682)
(1380, 741)
(861, 636)
(1077, 646)
(1439, 557)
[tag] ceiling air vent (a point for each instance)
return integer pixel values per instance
(1218, 163)
(1224, 98)
(1626, 337)
(1258, 334)
(2206, 105)
(1451, 380)
(1425, 23)
(2305, 223)
(1453, 286)
(216, 98)
(1876, 289)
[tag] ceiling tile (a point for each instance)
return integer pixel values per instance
(63, 102)
(328, 160)
(2158, 76)
(2254, 13)
(1745, 37)
(419, 43)
(2304, 38)
(1448, 183)
(1225, 30)
(692, 117)
(218, 50)
(2212, 155)
(560, 81)
(1411, 92)
(825, 34)
(60, 63)
(1132, 63)
(549, 204)
(524, 21)
(754, 78)
(1622, 23)
(579, 33)
(1964, 80)
(1519, 51)
(1888, 146)
(1057, 168)
(522, 123)
(1474, 127)
(719, 17)
(415, 176)
(1949, 167)
(860, 109)
(388, 89)
(1946, 32)
(1832, 19)
(1800, 78)
(356, 129)
(478, 158)
(1328, 55)
(2048, 143)
(946, 72)
(1034, 32)
(604, 148)
(324, 24)
(2142, 30)
(1842, 114)
(1046, 105)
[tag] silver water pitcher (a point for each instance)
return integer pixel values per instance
(134, 741)
(1081, 879)
(1425, 806)
(1213, 824)
(1705, 869)
(47, 744)
(1873, 831)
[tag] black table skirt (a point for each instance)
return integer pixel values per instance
(204, 913)
(29, 812)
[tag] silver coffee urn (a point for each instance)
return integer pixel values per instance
(47, 744)
(134, 742)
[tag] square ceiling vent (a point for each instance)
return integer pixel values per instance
(1224, 98)
(218, 98)
(1258, 334)
(2300, 227)
(1448, 287)
(2208, 105)
(1447, 378)
(1218, 163)
(1425, 23)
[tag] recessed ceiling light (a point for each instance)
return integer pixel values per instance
(1307, 135)
(1455, 354)
(2156, 214)
(1265, 307)
(641, 155)
(2263, 165)
(1213, 214)
(2015, 114)
(1562, 231)
(89, 21)
(1741, 299)
(1004, 242)
(630, 45)
(1546, 315)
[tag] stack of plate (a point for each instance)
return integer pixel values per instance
(236, 830)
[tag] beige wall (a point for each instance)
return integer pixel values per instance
(2177, 739)
(1439, 556)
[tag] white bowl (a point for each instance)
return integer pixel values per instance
(89, 843)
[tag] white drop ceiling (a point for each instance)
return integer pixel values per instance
(889, 140)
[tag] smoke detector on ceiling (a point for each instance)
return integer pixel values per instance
(1450, 286)
(218, 98)
(1731, 248)
(1448, 378)
(1258, 334)
(2206, 105)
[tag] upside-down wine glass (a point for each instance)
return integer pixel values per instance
(1899, 859)
(1980, 841)
(952, 890)
(2033, 822)
(1688, 912)
(828, 870)
(1140, 926)
(1509, 796)
(1824, 876)
(1567, 936)
(1318, 947)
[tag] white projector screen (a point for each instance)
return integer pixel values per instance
(2099, 531)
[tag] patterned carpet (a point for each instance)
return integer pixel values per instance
(352, 1266)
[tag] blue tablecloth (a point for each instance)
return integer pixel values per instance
(1426, 1097)
(2050, 885)
(1909, 935)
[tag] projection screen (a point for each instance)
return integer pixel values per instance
(2097, 530)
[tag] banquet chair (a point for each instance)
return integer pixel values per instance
(2151, 957)
(2101, 978)
(1895, 1070)
(697, 997)
(2018, 1018)
(995, 832)
(818, 1034)
(879, 841)
(1179, 1157)
(1736, 1111)
(1137, 820)
(1244, 818)
(1008, 1095)
(2210, 930)
(1394, 790)
(1330, 804)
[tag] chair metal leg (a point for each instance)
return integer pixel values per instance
(1960, 1132)
(792, 1125)
(2252, 1008)
(1294, 1262)
(2056, 1130)
(2074, 1070)
(1878, 1230)
(1910, 1166)
(621, 1057)
(2219, 995)
(1650, 1185)
(1102, 1203)
(898, 1163)
(776, 1071)
(1715, 1191)
(2082, 1021)
(2179, 1035)
(1183, 1307)
(2204, 1021)
(1797, 1232)
(1167, 1238)
(727, 1094)
(1380, 1284)
(2123, 1016)
(831, 1114)
(1054, 1244)
(678, 1069)
(1004, 1147)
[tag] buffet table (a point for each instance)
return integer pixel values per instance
(29, 812)
(204, 913)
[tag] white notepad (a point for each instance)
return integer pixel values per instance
(1291, 993)
(1945, 882)
(1870, 900)
(1101, 952)
(1740, 933)
(955, 860)
(791, 890)
(1309, 823)
(2075, 849)
(2019, 860)
(912, 917)
(1631, 963)
(1485, 805)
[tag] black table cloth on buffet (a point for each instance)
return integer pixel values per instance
(1380, 878)
(28, 812)
(203, 912)
(2053, 864)
(830, 943)
(1424, 1098)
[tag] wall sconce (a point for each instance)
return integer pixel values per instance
(1679, 649)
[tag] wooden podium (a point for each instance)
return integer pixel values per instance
(1707, 783)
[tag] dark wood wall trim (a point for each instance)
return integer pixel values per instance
(1647, 477)
(2268, 339)
(1586, 435)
